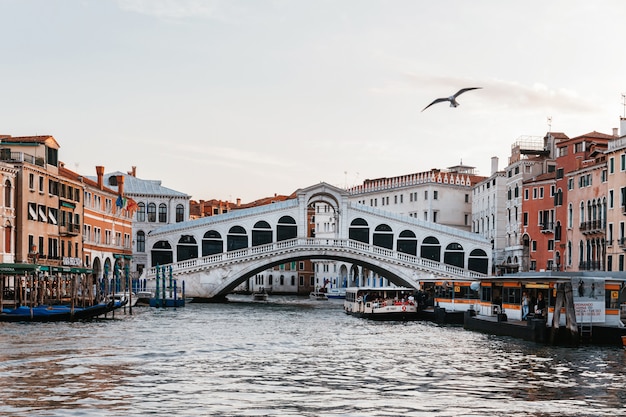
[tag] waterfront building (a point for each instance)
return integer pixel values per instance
(8, 204)
(49, 209)
(538, 221)
(107, 226)
(530, 156)
(488, 211)
(584, 246)
(616, 201)
(579, 172)
(157, 206)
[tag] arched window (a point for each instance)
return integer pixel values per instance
(431, 249)
(454, 255)
(261, 233)
(152, 212)
(162, 213)
(141, 212)
(582, 213)
(212, 243)
(187, 248)
(180, 213)
(286, 229)
(7, 194)
(236, 239)
(141, 241)
(383, 236)
(479, 261)
(359, 231)
(407, 242)
(570, 216)
(162, 253)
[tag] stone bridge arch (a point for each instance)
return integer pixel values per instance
(223, 280)
(208, 250)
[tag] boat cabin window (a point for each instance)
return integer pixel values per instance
(512, 295)
(464, 291)
(485, 294)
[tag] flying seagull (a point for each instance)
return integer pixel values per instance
(452, 99)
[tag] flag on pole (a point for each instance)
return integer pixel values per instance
(131, 205)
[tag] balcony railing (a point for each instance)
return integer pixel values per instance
(69, 229)
(590, 266)
(547, 227)
(593, 226)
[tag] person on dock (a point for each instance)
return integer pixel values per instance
(525, 305)
(540, 308)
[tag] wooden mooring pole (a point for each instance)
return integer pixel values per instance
(564, 298)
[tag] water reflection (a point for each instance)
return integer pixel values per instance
(293, 358)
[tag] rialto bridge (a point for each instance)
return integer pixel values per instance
(213, 255)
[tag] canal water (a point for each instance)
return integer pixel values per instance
(294, 357)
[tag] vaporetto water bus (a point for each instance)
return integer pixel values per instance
(381, 303)
(539, 306)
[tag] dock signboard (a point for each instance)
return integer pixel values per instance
(589, 299)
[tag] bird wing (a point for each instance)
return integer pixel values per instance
(439, 100)
(462, 90)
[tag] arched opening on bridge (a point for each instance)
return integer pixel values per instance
(479, 261)
(187, 248)
(431, 249)
(383, 236)
(343, 276)
(407, 242)
(212, 243)
(286, 229)
(161, 253)
(261, 233)
(359, 230)
(236, 239)
(354, 276)
(454, 255)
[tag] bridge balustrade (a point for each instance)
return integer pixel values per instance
(272, 249)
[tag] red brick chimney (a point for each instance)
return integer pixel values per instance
(100, 173)
(120, 184)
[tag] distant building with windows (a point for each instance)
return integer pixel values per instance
(531, 156)
(156, 206)
(107, 227)
(616, 201)
(48, 206)
(488, 211)
(438, 196)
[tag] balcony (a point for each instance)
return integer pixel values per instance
(8, 156)
(69, 229)
(622, 243)
(590, 266)
(593, 227)
(547, 227)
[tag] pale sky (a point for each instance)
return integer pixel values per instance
(246, 99)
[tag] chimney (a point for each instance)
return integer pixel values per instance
(120, 184)
(622, 126)
(615, 132)
(100, 173)
(238, 202)
(133, 171)
(494, 164)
